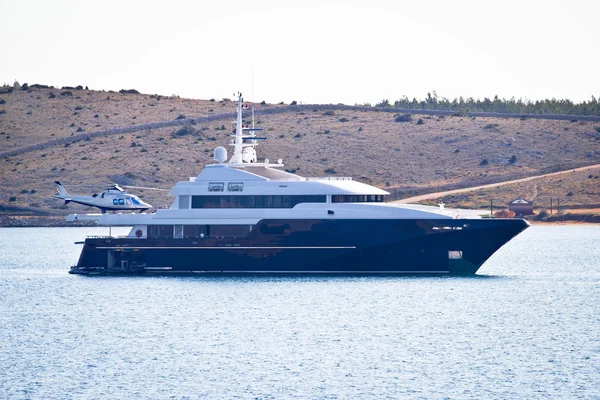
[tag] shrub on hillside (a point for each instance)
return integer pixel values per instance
(513, 159)
(484, 162)
(504, 214)
(541, 215)
(183, 131)
(403, 118)
(67, 93)
(129, 91)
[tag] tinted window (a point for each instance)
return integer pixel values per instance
(254, 201)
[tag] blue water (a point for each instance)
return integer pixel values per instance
(527, 327)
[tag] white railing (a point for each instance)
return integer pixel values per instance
(330, 178)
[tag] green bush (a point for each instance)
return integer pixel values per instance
(184, 130)
(403, 118)
(484, 162)
(12, 198)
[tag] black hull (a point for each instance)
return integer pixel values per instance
(458, 246)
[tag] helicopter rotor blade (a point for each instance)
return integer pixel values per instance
(144, 188)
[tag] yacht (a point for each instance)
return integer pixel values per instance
(246, 216)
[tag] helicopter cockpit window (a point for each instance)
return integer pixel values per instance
(136, 201)
(128, 201)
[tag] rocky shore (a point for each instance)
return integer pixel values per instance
(39, 221)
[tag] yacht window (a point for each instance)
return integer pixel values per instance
(160, 231)
(216, 186)
(184, 202)
(235, 186)
(455, 255)
(343, 198)
(229, 230)
(194, 231)
(179, 231)
(274, 201)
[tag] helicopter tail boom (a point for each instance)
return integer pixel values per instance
(61, 193)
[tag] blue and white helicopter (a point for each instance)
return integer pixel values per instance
(112, 198)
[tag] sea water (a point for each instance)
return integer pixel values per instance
(527, 326)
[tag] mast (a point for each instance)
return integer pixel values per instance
(237, 141)
(245, 140)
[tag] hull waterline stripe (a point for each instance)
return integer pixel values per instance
(224, 272)
(227, 248)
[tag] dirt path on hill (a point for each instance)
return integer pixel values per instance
(277, 110)
(492, 185)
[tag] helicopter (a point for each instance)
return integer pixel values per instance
(112, 198)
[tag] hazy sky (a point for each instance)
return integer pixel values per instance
(310, 51)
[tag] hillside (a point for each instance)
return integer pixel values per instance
(417, 154)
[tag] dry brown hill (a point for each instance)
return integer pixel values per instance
(424, 153)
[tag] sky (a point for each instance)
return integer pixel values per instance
(349, 52)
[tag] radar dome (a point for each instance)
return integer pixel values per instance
(220, 154)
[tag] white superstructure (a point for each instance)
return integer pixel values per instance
(245, 190)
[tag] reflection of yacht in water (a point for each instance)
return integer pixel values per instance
(246, 216)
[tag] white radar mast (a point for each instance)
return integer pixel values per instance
(245, 140)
